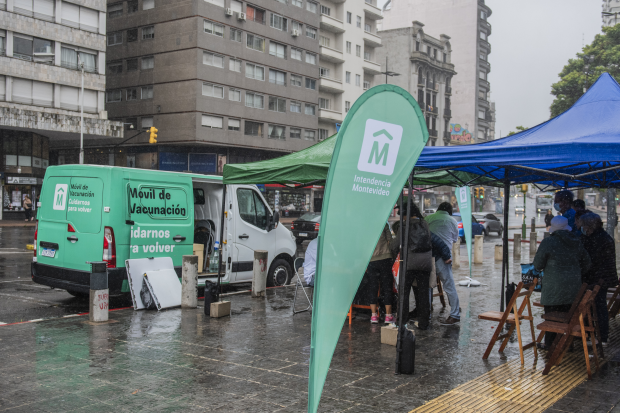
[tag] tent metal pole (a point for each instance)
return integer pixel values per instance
(543, 172)
(219, 268)
(505, 258)
(597, 171)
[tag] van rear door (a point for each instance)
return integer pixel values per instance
(52, 225)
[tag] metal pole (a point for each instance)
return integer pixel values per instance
(222, 243)
(505, 260)
(81, 114)
(612, 217)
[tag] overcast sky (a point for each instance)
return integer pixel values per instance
(531, 42)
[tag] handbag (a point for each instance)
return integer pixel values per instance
(420, 261)
(528, 273)
(432, 282)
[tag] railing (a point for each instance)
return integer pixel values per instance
(22, 56)
(432, 133)
(446, 135)
(430, 85)
(447, 113)
(488, 117)
(432, 109)
(421, 82)
(449, 90)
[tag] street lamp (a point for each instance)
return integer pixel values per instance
(387, 72)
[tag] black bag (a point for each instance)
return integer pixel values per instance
(419, 236)
(210, 295)
(407, 351)
(146, 297)
(510, 291)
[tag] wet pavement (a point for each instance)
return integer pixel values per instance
(255, 361)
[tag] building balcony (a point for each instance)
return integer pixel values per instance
(448, 90)
(485, 45)
(371, 11)
(431, 85)
(484, 83)
(371, 68)
(432, 133)
(422, 57)
(330, 24)
(328, 115)
(371, 39)
(485, 65)
(330, 85)
(432, 109)
(327, 54)
(486, 26)
(447, 113)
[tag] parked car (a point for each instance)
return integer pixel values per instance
(429, 211)
(519, 209)
(476, 228)
(306, 227)
(490, 222)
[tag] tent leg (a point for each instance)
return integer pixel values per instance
(219, 268)
(505, 258)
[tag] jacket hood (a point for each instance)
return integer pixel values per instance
(567, 238)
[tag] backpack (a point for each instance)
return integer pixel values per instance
(419, 236)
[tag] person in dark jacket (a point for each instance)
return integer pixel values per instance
(548, 219)
(564, 260)
(602, 250)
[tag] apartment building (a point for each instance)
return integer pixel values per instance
(223, 81)
(348, 43)
(43, 44)
(466, 24)
(611, 12)
(424, 68)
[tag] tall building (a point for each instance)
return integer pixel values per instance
(611, 12)
(348, 46)
(43, 44)
(223, 81)
(466, 24)
(424, 68)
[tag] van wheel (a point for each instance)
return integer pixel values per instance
(81, 296)
(279, 274)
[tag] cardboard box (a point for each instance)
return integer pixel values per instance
(389, 335)
(199, 249)
(220, 309)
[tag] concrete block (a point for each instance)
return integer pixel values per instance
(220, 309)
(478, 249)
(189, 281)
(389, 335)
(259, 278)
(499, 252)
(99, 304)
(517, 247)
(533, 243)
(456, 254)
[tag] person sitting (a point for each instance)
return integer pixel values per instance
(310, 262)
(564, 260)
(602, 250)
(380, 273)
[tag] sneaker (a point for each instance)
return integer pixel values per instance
(374, 319)
(389, 319)
(449, 321)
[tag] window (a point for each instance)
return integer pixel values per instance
(483, 35)
(252, 209)
(277, 104)
(148, 62)
(326, 10)
(234, 65)
(324, 41)
(347, 77)
(297, 26)
(146, 122)
(254, 72)
(148, 4)
(310, 58)
(347, 106)
(295, 133)
(367, 28)
(214, 28)
(277, 132)
(255, 42)
(147, 92)
(349, 17)
(310, 84)
(297, 3)
(80, 17)
(132, 64)
(359, 21)
(213, 59)
(253, 128)
(482, 75)
(310, 109)
(236, 6)
(366, 85)
(113, 67)
(234, 95)
(323, 134)
(311, 6)
(481, 113)
(115, 38)
(279, 22)
(483, 14)
(253, 100)
(235, 35)
(295, 80)
(211, 90)
(2, 43)
(132, 94)
(234, 124)
(434, 53)
(113, 95)
(324, 72)
(428, 50)
(358, 50)
(483, 56)
(324, 103)
(295, 107)
(255, 14)
(22, 47)
(216, 2)
(214, 122)
(357, 80)
(445, 57)
(148, 32)
(309, 135)
(417, 46)
(311, 32)
(132, 6)
(132, 35)
(295, 53)
(131, 123)
(41, 9)
(349, 47)
(277, 50)
(114, 10)
(277, 77)
(366, 55)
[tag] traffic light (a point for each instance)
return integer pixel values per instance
(476, 192)
(481, 193)
(524, 188)
(153, 138)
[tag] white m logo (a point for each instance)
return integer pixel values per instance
(380, 147)
(60, 196)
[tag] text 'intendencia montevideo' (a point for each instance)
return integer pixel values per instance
(378, 189)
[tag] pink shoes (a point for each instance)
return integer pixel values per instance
(374, 319)
(389, 319)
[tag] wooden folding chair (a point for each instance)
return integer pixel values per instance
(439, 293)
(514, 319)
(565, 317)
(574, 328)
(613, 302)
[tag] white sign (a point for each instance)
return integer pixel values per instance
(60, 196)
(463, 193)
(380, 147)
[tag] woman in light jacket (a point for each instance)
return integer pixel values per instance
(380, 273)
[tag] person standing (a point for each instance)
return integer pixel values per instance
(579, 205)
(548, 219)
(380, 274)
(564, 260)
(563, 203)
(602, 250)
(445, 227)
(27, 204)
(310, 262)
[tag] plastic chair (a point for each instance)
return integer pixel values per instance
(299, 262)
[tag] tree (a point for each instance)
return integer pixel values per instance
(603, 55)
(519, 129)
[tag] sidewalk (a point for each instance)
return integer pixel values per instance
(17, 223)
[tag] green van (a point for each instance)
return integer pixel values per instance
(104, 213)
